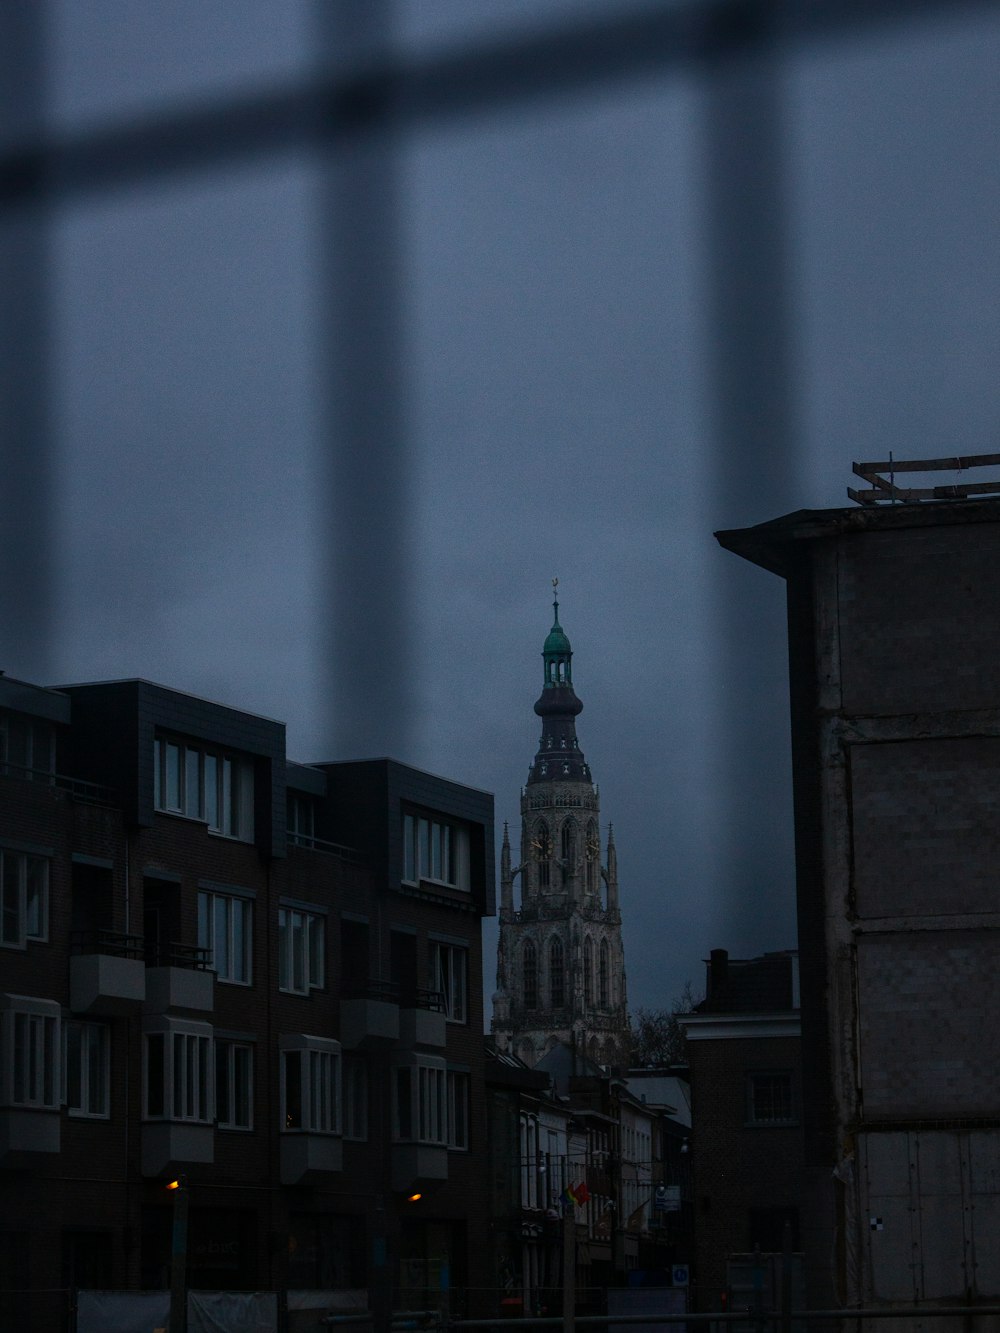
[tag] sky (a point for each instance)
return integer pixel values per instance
(609, 322)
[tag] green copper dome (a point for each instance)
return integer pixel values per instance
(556, 652)
(557, 641)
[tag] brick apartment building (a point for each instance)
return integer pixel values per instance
(744, 1052)
(264, 977)
(894, 653)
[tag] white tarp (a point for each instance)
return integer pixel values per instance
(232, 1312)
(208, 1311)
(122, 1311)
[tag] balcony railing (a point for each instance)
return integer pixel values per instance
(393, 992)
(92, 792)
(114, 943)
(372, 990)
(314, 844)
(179, 955)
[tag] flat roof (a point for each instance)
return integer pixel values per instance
(770, 544)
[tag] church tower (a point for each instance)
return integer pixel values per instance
(560, 966)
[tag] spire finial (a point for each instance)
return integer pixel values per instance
(555, 599)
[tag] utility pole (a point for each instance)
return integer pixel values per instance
(569, 1266)
(178, 1257)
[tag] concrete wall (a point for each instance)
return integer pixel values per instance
(894, 631)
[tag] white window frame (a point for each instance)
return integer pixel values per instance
(24, 898)
(31, 1047)
(315, 1062)
(301, 949)
(93, 1077)
(448, 973)
(221, 907)
(459, 1093)
(38, 740)
(232, 1091)
(435, 851)
(301, 819)
(419, 1101)
(213, 786)
(355, 1099)
(187, 1068)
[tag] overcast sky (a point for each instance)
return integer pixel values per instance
(567, 321)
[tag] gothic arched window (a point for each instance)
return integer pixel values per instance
(588, 971)
(593, 858)
(568, 841)
(529, 975)
(604, 978)
(541, 846)
(556, 974)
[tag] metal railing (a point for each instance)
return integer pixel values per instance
(78, 788)
(116, 943)
(174, 954)
(314, 844)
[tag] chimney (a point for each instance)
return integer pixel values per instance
(718, 974)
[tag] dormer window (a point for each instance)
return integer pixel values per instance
(27, 746)
(205, 784)
(436, 851)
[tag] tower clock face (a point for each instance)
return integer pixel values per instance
(593, 848)
(540, 848)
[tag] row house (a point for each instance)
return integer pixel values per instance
(745, 1053)
(260, 977)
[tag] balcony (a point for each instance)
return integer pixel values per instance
(169, 1146)
(422, 1019)
(304, 1154)
(369, 1017)
(418, 1166)
(107, 974)
(26, 1132)
(178, 977)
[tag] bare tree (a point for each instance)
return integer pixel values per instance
(657, 1038)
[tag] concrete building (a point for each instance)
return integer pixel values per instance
(894, 653)
(260, 976)
(560, 964)
(744, 1053)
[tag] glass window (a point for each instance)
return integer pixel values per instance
(24, 898)
(310, 1086)
(355, 1098)
(448, 974)
(225, 928)
(435, 851)
(27, 747)
(529, 975)
(87, 1068)
(420, 1102)
(770, 1099)
(178, 1074)
(301, 820)
(233, 1084)
(301, 950)
(604, 976)
(204, 784)
(458, 1109)
(556, 974)
(541, 845)
(31, 1043)
(588, 971)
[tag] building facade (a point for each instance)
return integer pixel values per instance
(745, 1059)
(560, 964)
(894, 648)
(258, 977)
